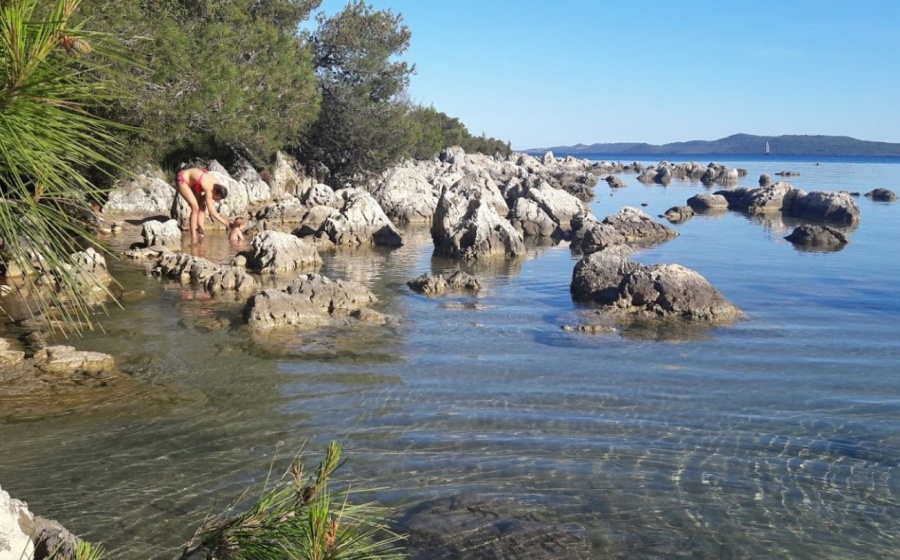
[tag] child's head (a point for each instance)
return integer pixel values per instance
(240, 222)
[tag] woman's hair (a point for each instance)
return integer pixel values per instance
(220, 191)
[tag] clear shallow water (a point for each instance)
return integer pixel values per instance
(777, 437)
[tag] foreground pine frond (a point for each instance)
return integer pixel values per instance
(52, 82)
(296, 517)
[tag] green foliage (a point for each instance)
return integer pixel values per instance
(220, 78)
(362, 127)
(433, 131)
(88, 551)
(297, 517)
(51, 77)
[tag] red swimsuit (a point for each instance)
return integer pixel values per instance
(198, 186)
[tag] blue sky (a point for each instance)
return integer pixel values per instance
(583, 71)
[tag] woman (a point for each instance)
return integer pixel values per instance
(201, 191)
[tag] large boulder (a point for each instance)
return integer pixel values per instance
(15, 523)
(556, 203)
(147, 193)
(531, 220)
(833, 207)
(705, 202)
(287, 178)
(286, 210)
(759, 200)
(882, 195)
(471, 229)
(657, 291)
(636, 226)
(155, 232)
(275, 252)
(361, 221)
(310, 300)
(250, 181)
(406, 195)
(590, 235)
(24, 535)
(818, 237)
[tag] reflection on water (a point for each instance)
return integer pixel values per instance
(775, 437)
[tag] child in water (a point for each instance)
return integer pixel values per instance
(236, 231)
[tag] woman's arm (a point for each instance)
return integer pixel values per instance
(211, 206)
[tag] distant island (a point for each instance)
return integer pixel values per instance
(739, 144)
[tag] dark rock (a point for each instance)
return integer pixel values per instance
(463, 528)
(661, 291)
(819, 237)
(882, 195)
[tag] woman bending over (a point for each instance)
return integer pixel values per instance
(201, 191)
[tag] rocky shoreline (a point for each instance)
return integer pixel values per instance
(478, 208)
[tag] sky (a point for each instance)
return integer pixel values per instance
(541, 74)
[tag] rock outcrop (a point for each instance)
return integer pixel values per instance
(882, 195)
(818, 237)
(275, 252)
(467, 225)
(310, 300)
(436, 284)
(657, 291)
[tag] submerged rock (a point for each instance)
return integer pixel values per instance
(436, 284)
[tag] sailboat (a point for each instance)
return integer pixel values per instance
(767, 148)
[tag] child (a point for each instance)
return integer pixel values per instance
(236, 231)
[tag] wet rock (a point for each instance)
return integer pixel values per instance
(833, 207)
(678, 214)
(759, 200)
(636, 226)
(657, 291)
(437, 284)
(788, 174)
(589, 329)
(882, 195)
(705, 202)
(615, 182)
(818, 237)
(310, 300)
(765, 180)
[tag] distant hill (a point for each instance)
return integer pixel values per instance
(739, 144)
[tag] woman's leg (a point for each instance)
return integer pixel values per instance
(188, 196)
(201, 216)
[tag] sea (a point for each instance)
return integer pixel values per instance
(777, 436)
